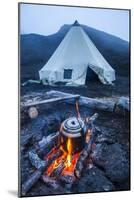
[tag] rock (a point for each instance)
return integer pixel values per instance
(122, 106)
(25, 139)
(112, 159)
(106, 135)
(125, 185)
(33, 112)
(52, 124)
(37, 137)
(98, 155)
(94, 180)
(35, 126)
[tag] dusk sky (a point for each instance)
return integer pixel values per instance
(46, 20)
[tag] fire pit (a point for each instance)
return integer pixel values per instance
(72, 140)
(67, 156)
(66, 152)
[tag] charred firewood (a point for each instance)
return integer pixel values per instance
(31, 181)
(67, 179)
(90, 120)
(26, 186)
(98, 104)
(84, 154)
(50, 182)
(35, 160)
(25, 139)
(47, 143)
(46, 140)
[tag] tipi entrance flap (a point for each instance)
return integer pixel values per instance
(91, 74)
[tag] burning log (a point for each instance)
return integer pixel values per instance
(58, 170)
(85, 152)
(50, 182)
(26, 186)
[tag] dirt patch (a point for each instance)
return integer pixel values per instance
(92, 89)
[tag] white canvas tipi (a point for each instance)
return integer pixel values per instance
(70, 61)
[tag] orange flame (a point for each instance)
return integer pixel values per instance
(55, 163)
(70, 169)
(69, 149)
(67, 157)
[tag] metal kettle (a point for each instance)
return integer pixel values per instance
(74, 129)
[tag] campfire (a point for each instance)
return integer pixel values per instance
(64, 165)
(73, 137)
(64, 150)
(71, 145)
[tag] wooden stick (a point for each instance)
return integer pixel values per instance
(42, 104)
(93, 118)
(45, 140)
(46, 144)
(35, 160)
(25, 139)
(50, 182)
(26, 186)
(53, 100)
(84, 154)
(67, 178)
